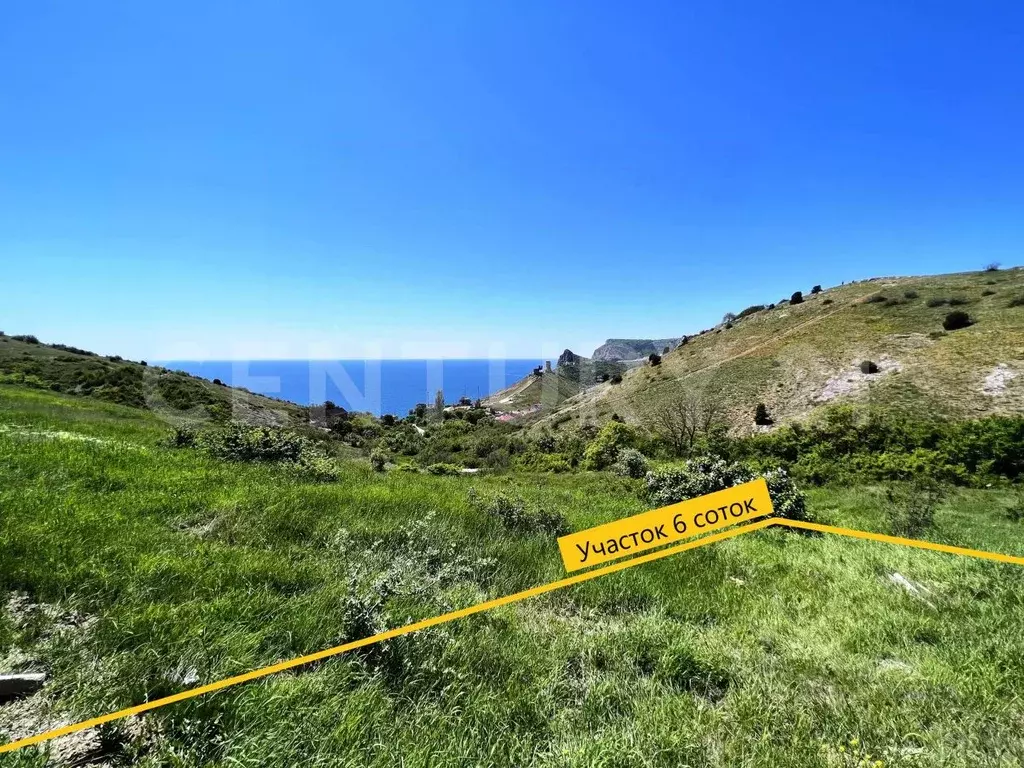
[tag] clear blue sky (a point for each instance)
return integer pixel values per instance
(293, 179)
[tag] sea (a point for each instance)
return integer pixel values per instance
(375, 386)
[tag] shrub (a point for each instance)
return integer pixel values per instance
(910, 507)
(27, 338)
(771, 306)
(616, 378)
(728, 325)
(910, 294)
(1017, 301)
(816, 289)
(796, 298)
(218, 382)
(993, 267)
(183, 437)
(958, 301)
(728, 317)
(631, 463)
(877, 298)
(666, 350)
(604, 449)
(707, 474)
(936, 302)
(514, 514)
(74, 350)
(826, 301)
(654, 358)
(242, 442)
(761, 417)
(749, 311)
(442, 468)
(988, 292)
(378, 460)
(956, 320)
(867, 366)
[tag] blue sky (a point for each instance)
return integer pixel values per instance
(296, 179)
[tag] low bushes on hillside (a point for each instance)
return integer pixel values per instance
(707, 474)
(258, 444)
(797, 298)
(516, 515)
(845, 445)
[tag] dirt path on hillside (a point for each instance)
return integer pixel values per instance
(749, 350)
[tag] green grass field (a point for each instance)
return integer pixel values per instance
(132, 570)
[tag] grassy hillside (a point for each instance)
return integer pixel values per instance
(797, 357)
(173, 394)
(130, 570)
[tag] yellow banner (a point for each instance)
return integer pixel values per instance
(665, 525)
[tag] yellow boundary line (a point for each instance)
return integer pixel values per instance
(497, 603)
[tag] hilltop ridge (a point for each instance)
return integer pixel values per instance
(798, 356)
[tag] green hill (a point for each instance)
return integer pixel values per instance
(174, 395)
(795, 358)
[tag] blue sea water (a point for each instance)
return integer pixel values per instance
(377, 386)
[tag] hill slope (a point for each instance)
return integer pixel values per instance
(795, 358)
(175, 395)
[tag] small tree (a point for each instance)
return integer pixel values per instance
(816, 289)
(867, 366)
(796, 298)
(654, 358)
(666, 350)
(761, 417)
(439, 402)
(993, 267)
(617, 378)
(956, 320)
(728, 317)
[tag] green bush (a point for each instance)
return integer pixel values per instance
(937, 302)
(631, 463)
(796, 298)
(378, 460)
(261, 444)
(868, 366)
(515, 515)
(616, 378)
(761, 417)
(444, 469)
(27, 338)
(956, 320)
(707, 474)
(654, 358)
(877, 298)
(604, 449)
(910, 508)
(749, 311)
(910, 294)
(816, 289)
(1017, 301)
